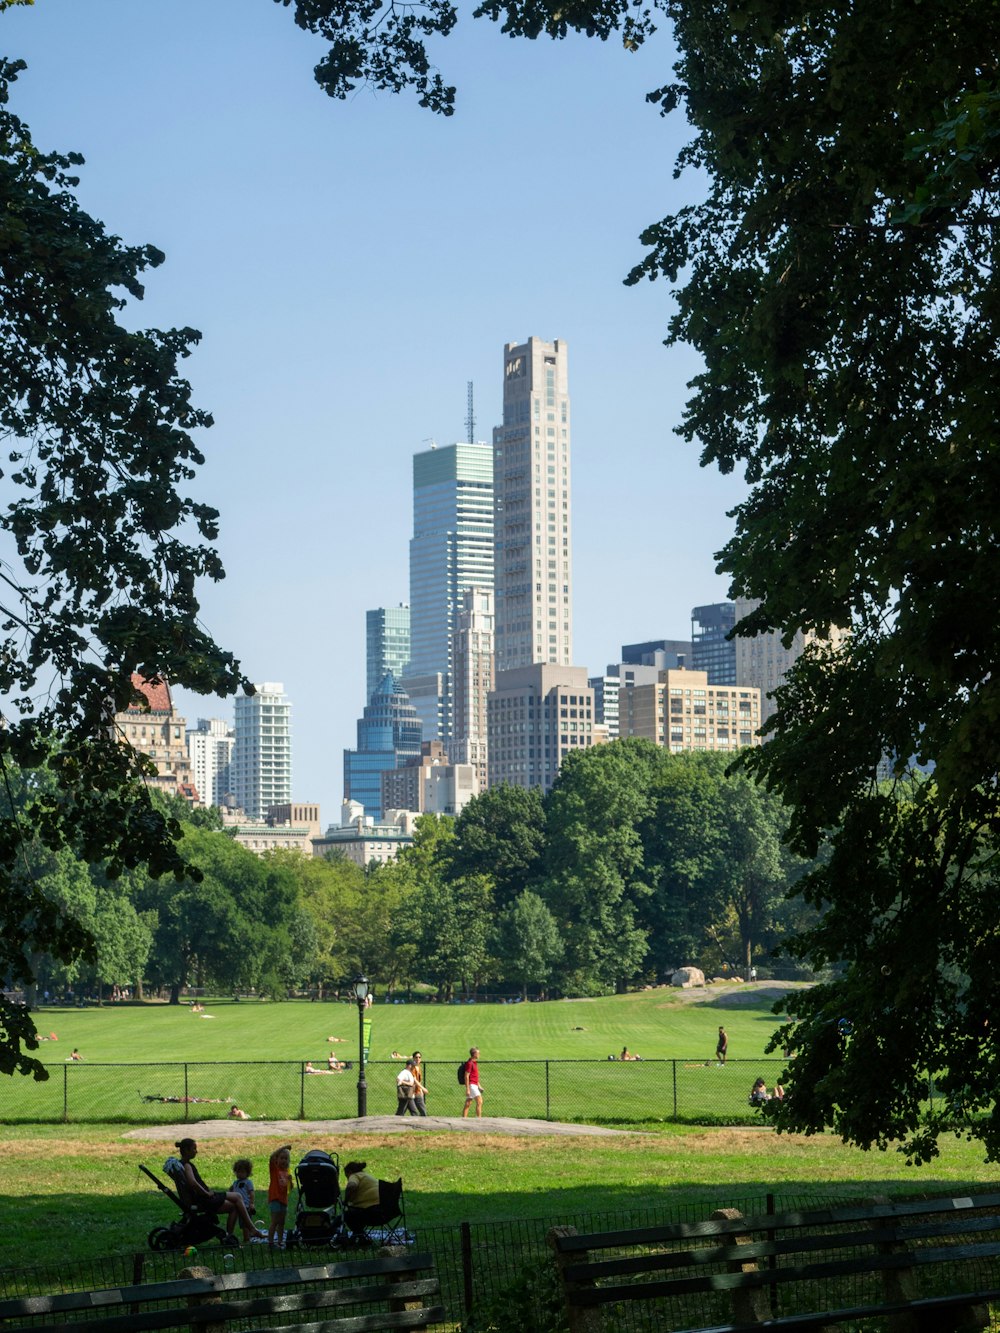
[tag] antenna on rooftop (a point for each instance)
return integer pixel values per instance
(470, 417)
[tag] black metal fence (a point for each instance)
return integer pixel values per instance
(614, 1091)
(487, 1269)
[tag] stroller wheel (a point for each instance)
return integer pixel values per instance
(160, 1239)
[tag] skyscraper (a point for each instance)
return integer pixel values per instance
(261, 768)
(472, 680)
(531, 473)
(451, 550)
(711, 651)
(210, 750)
(388, 735)
(387, 641)
(763, 661)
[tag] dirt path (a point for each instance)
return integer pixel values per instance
(372, 1124)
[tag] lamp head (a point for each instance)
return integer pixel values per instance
(361, 989)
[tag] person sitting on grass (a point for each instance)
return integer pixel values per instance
(759, 1093)
(237, 1113)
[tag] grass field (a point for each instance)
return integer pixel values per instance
(73, 1194)
(661, 1023)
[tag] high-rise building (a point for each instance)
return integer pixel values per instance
(606, 690)
(711, 651)
(153, 727)
(389, 733)
(472, 679)
(663, 654)
(429, 784)
(261, 766)
(682, 711)
(537, 715)
(763, 660)
(387, 641)
(531, 474)
(210, 751)
(451, 550)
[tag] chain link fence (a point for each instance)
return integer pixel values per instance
(612, 1091)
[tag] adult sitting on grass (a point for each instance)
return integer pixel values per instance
(208, 1200)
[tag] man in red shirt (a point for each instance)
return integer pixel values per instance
(473, 1092)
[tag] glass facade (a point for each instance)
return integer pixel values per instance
(451, 550)
(261, 767)
(387, 641)
(389, 733)
(710, 650)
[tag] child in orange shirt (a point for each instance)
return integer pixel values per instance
(280, 1164)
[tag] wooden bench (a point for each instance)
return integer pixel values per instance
(796, 1270)
(361, 1294)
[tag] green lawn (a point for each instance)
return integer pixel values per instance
(657, 1023)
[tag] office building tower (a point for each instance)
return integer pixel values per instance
(387, 642)
(389, 733)
(663, 654)
(210, 752)
(537, 715)
(711, 651)
(451, 550)
(429, 784)
(472, 679)
(606, 690)
(153, 727)
(531, 473)
(763, 660)
(261, 767)
(682, 711)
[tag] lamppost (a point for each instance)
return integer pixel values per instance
(361, 994)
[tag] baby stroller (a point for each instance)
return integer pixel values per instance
(318, 1210)
(195, 1226)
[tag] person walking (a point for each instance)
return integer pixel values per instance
(722, 1046)
(473, 1089)
(405, 1090)
(420, 1092)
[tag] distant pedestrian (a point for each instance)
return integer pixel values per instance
(753, 974)
(722, 1046)
(405, 1090)
(473, 1088)
(420, 1092)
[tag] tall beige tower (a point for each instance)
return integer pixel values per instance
(763, 660)
(533, 569)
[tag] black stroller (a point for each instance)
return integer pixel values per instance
(318, 1219)
(195, 1226)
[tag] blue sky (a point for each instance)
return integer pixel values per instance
(351, 265)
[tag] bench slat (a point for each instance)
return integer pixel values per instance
(175, 1289)
(821, 1217)
(880, 1263)
(765, 1249)
(366, 1323)
(807, 1323)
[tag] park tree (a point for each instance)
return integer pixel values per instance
(528, 946)
(501, 833)
(103, 549)
(595, 874)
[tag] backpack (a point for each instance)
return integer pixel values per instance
(461, 1073)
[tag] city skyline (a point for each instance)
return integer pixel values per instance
(344, 309)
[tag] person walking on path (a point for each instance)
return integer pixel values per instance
(721, 1046)
(473, 1090)
(420, 1092)
(406, 1086)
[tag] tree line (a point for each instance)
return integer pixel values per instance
(637, 862)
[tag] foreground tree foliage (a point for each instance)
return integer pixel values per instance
(839, 282)
(95, 424)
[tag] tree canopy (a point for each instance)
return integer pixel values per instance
(103, 549)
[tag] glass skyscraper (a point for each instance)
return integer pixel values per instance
(389, 733)
(710, 650)
(387, 640)
(451, 551)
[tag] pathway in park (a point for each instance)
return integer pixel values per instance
(372, 1124)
